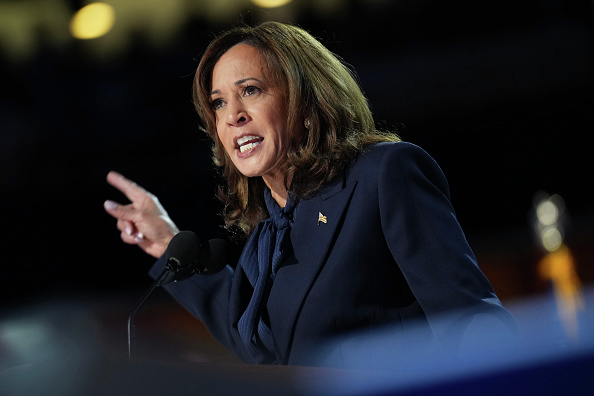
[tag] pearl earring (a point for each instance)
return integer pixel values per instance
(307, 123)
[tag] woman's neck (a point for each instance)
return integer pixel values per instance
(278, 188)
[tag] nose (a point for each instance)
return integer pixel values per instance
(237, 115)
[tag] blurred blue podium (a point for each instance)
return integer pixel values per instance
(63, 349)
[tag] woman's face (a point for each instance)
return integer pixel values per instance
(251, 114)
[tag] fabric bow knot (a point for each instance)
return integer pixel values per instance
(262, 256)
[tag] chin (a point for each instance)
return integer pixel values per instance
(249, 172)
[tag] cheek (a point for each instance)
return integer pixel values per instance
(221, 137)
(285, 134)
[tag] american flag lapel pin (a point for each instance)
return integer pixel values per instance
(322, 218)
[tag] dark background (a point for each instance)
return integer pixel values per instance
(499, 93)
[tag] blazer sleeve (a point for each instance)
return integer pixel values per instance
(430, 248)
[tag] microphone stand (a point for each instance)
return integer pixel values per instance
(131, 334)
(190, 251)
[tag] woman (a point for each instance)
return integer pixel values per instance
(347, 228)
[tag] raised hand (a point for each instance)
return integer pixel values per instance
(143, 222)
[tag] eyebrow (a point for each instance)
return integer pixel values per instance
(237, 83)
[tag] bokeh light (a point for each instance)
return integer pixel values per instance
(92, 21)
(547, 213)
(551, 238)
(271, 3)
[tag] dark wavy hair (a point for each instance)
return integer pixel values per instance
(319, 87)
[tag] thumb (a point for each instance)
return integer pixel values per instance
(116, 210)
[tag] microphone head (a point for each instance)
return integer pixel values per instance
(186, 256)
(183, 250)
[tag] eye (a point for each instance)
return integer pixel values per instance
(251, 90)
(216, 104)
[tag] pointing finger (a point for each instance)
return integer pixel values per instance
(133, 191)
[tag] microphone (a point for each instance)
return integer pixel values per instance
(185, 257)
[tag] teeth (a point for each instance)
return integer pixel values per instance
(244, 139)
(243, 144)
(248, 146)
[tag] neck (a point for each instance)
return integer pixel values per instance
(278, 189)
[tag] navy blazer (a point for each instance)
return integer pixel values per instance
(391, 255)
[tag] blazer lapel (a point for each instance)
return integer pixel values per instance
(316, 222)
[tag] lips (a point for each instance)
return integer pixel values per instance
(248, 142)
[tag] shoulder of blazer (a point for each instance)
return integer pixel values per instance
(369, 162)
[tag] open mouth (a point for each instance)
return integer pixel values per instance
(246, 143)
